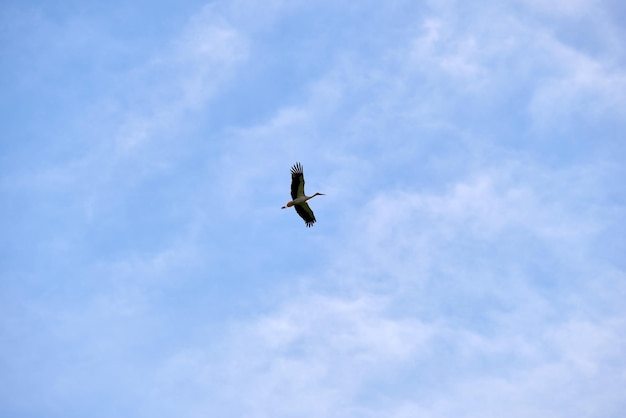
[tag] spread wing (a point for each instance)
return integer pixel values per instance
(305, 213)
(297, 182)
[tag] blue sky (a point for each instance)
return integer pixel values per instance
(468, 255)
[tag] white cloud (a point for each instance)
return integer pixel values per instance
(552, 385)
(500, 55)
(438, 48)
(137, 128)
(474, 292)
(582, 88)
(562, 8)
(182, 77)
(311, 357)
(428, 314)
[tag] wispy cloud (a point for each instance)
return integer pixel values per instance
(466, 302)
(465, 262)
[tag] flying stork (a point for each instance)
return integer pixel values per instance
(298, 196)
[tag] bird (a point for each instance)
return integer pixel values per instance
(299, 199)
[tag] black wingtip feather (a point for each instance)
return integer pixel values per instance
(296, 169)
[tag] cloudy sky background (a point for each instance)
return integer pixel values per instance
(468, 256)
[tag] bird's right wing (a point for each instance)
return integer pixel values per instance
(297, 181)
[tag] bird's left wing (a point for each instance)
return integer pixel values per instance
(305, 213)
